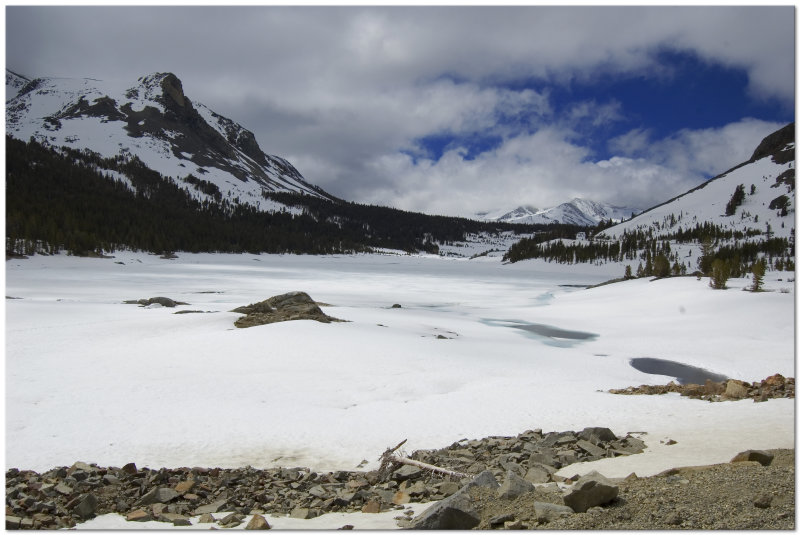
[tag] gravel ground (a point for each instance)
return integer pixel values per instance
(733, 496)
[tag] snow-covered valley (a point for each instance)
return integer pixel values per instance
(92, 379)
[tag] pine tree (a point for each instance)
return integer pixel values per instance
(628, 273)
(758, 269)
(720, 272)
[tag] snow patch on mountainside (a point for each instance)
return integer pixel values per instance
(764, 180)
(155, 122)
(578, 211)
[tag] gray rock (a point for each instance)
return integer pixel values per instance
(537, 474)
(457, 511)
(447, 488)
(231, 520)
(159, 495)
(760, 456)
(214, 507)
(591, 449)
(61, 488)
(406, 472)
(597, 434)
(303, 513)
(590, 490)
(501, 519)
(546, 456)
(547, 512)
(514, 486)
(163, 301)
(86, 506)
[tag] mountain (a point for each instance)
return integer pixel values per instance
(766, 198)
(155, 122)
(721, 227)
(578, 211)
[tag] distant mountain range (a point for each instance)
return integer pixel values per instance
(578, 211)
(154, 121)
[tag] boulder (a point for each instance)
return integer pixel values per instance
(303, 513)
(232, 520)
(213, 507)
(457, 511)
(163, 301)
(86, 506)
(372, 506)
(139, 515)
(258, 522)
(159, 495)
(735, 389)
(597, 434)
(589, 491)
(285, 307)
(514, 486)
(184, 486)
(547, 512)
(537, 474)
(760, 456)
(591, 449)
(405, 472)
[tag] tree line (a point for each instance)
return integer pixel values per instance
(80, 202)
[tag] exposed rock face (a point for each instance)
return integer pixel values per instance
(285, 307)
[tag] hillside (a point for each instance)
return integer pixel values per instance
(766, 177)
(738, 217)
(76, 201)
(157, 123)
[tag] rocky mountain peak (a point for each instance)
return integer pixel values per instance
(155, 121)
(173, 88)
(777, 146)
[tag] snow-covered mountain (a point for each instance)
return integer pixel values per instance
(767, 181)
(575, 212)
(156, 122)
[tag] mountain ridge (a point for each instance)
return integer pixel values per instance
(578, 211)
(157, 122)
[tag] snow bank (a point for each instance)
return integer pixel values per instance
(91, 379)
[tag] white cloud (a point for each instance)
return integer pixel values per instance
(343, 92)
(706, 152)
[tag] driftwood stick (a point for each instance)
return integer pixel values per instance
(389, 459)
(426, 466)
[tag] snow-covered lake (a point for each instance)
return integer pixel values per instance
(91, 379)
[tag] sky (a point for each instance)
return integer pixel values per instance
(455, 110)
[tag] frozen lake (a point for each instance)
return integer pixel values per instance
(477, 348)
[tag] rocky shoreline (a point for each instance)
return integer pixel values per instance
(774, 386)
(531, 494)
(65, 496)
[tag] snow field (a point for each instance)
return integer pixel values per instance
(89, 378)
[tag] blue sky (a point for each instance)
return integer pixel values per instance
(456, 110)
(690, 94)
